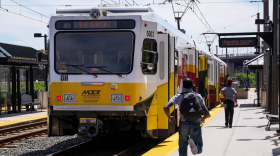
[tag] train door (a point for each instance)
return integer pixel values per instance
(191, 64)
(222, 79)
(217, 68)
(202, 72)
(171, 60)
(211, 83)
(162, 84)
(196, 68)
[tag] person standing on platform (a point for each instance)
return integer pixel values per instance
(235, 85)
(229, 93)
(191, 106)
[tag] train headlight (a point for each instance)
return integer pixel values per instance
(150, 67)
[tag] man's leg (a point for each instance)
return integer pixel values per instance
(231, 112)
(183, 138)
(226, 115)
(197, 136)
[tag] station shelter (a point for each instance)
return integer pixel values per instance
(257, 64)
(17, 65)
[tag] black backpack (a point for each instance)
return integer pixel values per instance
(190, 107)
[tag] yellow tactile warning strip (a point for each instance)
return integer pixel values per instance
(6, 123)
(169, 145)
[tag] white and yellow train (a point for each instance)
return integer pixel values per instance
(112, 69)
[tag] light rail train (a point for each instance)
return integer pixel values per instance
(112, 69)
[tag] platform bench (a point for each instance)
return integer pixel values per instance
(272, 119)
(27, 101)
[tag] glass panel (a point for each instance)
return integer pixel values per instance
(4, 71)
(211, 72)
(148, 57)
(94, 51)
(161, 60)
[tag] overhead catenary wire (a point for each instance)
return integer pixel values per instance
(135, 2)
(114, 1)
(29, 9)
(128, 3)
(1, 9)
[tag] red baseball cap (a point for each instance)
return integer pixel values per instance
(229, 82)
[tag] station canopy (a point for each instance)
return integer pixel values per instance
(255, 63)
(14, 55)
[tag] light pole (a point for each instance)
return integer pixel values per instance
(46, 69)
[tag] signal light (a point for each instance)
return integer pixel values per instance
(94, 69)
(146, 25)
(58, 98)
(127, 98)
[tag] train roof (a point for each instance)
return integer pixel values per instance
(147, 14)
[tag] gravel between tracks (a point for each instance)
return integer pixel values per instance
(44, 146)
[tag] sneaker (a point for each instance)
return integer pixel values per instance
(192, 146)
(230, 126)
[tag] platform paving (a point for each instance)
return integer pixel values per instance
(248, 136)
(7, 119)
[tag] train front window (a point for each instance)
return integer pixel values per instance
(94, 52)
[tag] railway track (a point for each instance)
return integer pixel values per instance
(9, 136)
(110, 146)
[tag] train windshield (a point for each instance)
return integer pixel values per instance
(94, 52)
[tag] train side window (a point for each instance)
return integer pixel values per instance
(161, 60)
(186, 57)
(211, 72)
(176, 63)
(149, 57)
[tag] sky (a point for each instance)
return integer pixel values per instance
(221, 15)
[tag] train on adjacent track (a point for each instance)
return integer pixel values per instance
(113, 68)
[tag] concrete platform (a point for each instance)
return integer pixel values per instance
(248, 136)
(8, 119)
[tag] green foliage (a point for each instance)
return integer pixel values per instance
(37, 86)
(242, 78)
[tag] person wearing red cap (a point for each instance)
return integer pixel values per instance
(229, 93)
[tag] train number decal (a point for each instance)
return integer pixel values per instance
(150, 34)
(64, 78)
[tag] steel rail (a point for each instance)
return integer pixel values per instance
(69, 148)
(15, 128)
(133, 148)
(22, 135)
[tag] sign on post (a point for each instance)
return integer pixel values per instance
(239, 42)
(246, 83)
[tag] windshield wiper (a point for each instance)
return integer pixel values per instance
(76, 66)
(100, 67)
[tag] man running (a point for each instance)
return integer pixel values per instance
(191, 106)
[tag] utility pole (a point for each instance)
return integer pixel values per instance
(257, 72)
(275, 60)
(227, 60)
(267, 58)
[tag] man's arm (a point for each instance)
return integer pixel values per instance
(166, 111)
(206, 113)
(223, 93)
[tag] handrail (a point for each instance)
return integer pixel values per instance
(154, 52)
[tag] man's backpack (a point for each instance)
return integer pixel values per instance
(190, 107)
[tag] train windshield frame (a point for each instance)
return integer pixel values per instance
(94, 52)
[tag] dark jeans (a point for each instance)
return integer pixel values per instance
(229, 111)
(189, 130)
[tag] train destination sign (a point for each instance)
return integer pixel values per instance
(96, 24)
(239, 42)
